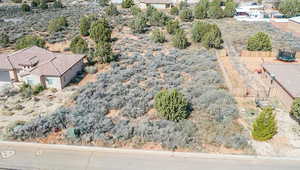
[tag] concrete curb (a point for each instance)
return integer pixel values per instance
(135, 151)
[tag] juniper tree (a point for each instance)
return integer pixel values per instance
(265, 126)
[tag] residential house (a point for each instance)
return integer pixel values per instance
(159, 4)
(36, 65)
(283, 81)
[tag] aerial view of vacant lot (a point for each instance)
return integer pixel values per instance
(120, 75)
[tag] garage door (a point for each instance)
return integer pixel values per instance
(4, 76)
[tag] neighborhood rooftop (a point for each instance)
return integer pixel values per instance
(287, 75)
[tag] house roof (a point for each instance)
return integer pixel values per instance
(42, 62)
(156, 1)
(287, 75)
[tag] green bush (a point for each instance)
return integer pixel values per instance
(103, 52)
(139, 24)
(179, 40)
(25, 8)
(35, 3)
(43, 4)
(111, 10)
(200, 11)
(265, 126)
(183, 4)
(78, 45)
(4, 40)
(158, 18)
(229, 10)
(290, 8)
(26, 90)
(172, 105)
(29, 41)
(17, 1)
(127, 3)
(150, 10)
(259, 42)
(57, 24)
(174, 11)
(215, 3)
(172, 26)
(135, 10)
(158, 36)
(100, 31)
(199, 29)
(85, 25)
(211, 40)
(186, 15)
(58, 4)
(103, 3)
(295, 110)
(37, 89)
(215, 12)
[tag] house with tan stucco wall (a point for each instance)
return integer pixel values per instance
(36, 65)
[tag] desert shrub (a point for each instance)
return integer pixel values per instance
(43, 4)
(78, 45)
(103, 52)
(186, 15)
(174, 11)
(259, 42)
(111, 10)
(158, 36)
(265, 126)
(91, 69)
(127, 3)
(139, 24)
(199, 29)
(290, 8)
(215, 3)
(4, 40)
(158, 18)
(215, 12)
(39, 127)
(183, 4)
(58, 4)
(135, 10)
(17, 1)
(171, 105)
(179, 40)
(57, 24)
(213, 39)
(25, 8)
(100, 31)
(37, 89)
(85, 25)
(204, 3)
(150, 10)
(29, 41)
(200, 11)
(172, 26)
(103, 3)
(35, 3)
(229, 10)
(295, 110)
(26, 90)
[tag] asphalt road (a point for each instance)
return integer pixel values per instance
(62, 157)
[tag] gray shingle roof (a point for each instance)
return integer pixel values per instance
(156, 1)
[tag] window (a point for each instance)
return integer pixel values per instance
(50, 81)
(29, 81)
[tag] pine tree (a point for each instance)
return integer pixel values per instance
(265, 126)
